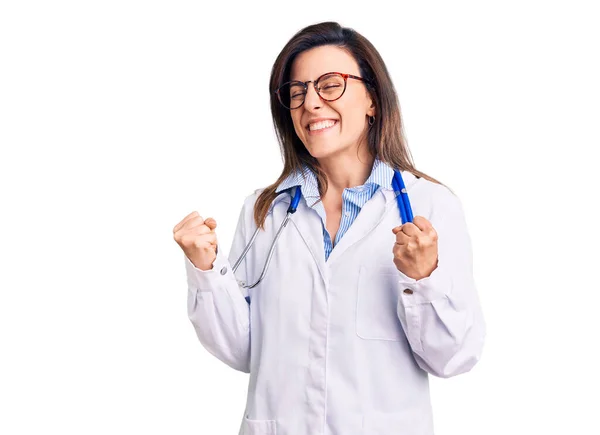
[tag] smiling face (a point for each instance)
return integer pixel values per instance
(336, 128)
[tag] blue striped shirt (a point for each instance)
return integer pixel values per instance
(353, 198)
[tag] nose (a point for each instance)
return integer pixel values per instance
(312, 99)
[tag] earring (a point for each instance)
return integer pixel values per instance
(371, 120)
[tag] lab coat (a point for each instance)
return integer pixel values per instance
(338, 347)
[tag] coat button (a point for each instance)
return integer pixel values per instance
(224, 270)
(408, 291)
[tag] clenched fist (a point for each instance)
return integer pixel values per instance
(416, 248)
(198, 240)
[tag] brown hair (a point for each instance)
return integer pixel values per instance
(385, 138)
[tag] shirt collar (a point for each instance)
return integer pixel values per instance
(305, 179)
(381, 175)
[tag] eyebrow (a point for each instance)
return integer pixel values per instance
(315, 78)
(312, 80)
(323, 73)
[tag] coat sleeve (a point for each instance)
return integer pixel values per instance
(442, 316)
(216, 304)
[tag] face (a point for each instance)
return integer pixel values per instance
(349, 113)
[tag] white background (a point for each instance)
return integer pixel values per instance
(118, 118)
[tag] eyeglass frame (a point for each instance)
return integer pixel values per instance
(315, 82)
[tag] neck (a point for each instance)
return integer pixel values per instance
(347, 170)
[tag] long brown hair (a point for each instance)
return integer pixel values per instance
(385, 138)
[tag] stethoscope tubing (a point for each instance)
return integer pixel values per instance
(291, 210)
(401, 198)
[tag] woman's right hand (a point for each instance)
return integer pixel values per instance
(198, 239)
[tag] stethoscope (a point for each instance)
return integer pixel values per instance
(401, 197)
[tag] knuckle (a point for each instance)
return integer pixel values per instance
(190, 241)
(198, 242)
(186, 240)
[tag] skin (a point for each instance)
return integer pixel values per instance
(198, 240)
(343, 154)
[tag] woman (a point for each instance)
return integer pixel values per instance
(355, 308)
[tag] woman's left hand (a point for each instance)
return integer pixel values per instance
(416, 248)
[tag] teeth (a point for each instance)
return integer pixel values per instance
(321, 125)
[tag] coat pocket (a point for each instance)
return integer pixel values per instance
(376, 304)
(258, 427)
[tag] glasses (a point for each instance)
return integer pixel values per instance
(330, 87)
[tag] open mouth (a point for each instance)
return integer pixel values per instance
(321, 126)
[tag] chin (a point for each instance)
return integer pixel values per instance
(321, 153)
(326, 151)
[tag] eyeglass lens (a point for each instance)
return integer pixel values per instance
(329, 87)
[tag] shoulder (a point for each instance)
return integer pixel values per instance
(436, 192)
(249, 206)
(251, 199)
(250, 202)
(436, 198)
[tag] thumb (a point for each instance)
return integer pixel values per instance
(210, 223)
(396, 230)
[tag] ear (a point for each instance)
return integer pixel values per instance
(371, 109)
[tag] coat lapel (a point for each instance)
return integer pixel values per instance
(370, 216)
(308, 224)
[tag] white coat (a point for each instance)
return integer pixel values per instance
(338, 347)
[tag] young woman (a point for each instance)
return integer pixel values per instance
(356, 308)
